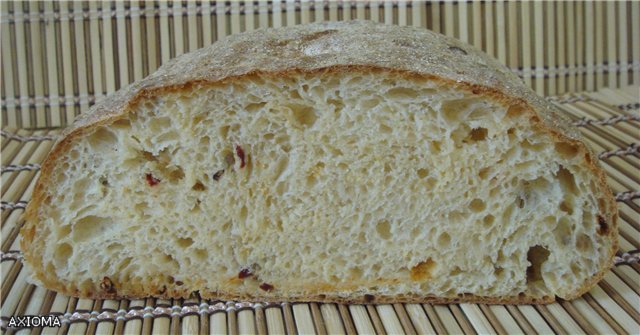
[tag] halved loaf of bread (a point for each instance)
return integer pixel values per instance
(348, 162)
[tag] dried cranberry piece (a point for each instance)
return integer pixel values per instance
(240, 154)
(266, 287)
(151, 180)
(244, 273)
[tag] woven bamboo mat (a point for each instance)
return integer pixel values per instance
(610, 121)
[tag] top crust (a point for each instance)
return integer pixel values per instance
(336, 46)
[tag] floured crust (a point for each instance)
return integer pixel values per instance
(407, 52)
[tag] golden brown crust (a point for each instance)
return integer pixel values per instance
(407, 52)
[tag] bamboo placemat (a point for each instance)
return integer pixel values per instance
(610, 121)
(58, 57)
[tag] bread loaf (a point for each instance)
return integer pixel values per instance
(345, 162)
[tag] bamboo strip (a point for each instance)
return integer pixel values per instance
(449, 21)
(120, 324)
(138, 53)
(432, 314)
(388, 12)
(549, 60)
(106, 327)
(11, 148)
(97, 60)
(263, 15)
(589, 45)
(513, 47)
(375, 319)
(614, 311)
(525, 46)
(275, 323)
(277, 14)
(520, 319)
(59, 306)
(619, 299)
(291, 13)
(147, 323)
(8, 64)
(550, 319)
(501, 320)
(305, 12)
(622, 281)
(134, 326)
(37, 59)
(501, 33)
(374, 11)
(303, 319)
(207, 26)
(612, 44)
(82, 305)
(404, 319)
(561, 44)
(45, 307)
(261, 321)
(21, 155)
(347, 11)
(447, 320)
(539, 46)
(477, 318)
(389, 319)
(580, 45)
(246, 322)
(419, 319)
(464, 323)
(108, 52)
(218, 323)
(477, 28)
(491, 25)
(289, 321)
(361, 319)
(599, 42)
(402, 13)
(191, 324)
(635, 40)
(609, 320)
(24, 301)
(463, 22)
(436, 17)
(37, 299)
(569, 325)
(21, 69)
(192, 25)
(175, 321)
(80, 86)
(165, 38)
(318, 321)
(591, 317)
(334, 321)
(360, 10)
(178, 40)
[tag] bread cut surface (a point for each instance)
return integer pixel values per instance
(349, 162)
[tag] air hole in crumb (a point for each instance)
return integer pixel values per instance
(477, 134)
(603, 227)
(184, 242)
(198, 186)
(583, 243)
(566, 207)
(567, 180)
(422, 271)
(520, 202)
(422, 173)
(488, 220)
(484, 172)
(567, 150)
(477, 205)
(536, 256)
(384, 229)
(302, 115)
(444, 240)
(515, 111)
